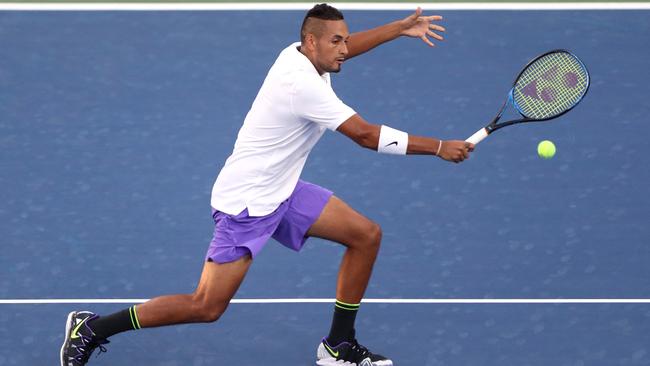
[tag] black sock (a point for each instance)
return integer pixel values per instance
(342, 323)
(106, 326)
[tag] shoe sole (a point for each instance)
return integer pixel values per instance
(383, 363)
(68, 325)
(334, 362)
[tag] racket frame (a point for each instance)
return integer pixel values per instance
(510, 100)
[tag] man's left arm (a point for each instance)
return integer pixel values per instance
(414, 25)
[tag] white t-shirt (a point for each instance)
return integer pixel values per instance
(289, 115)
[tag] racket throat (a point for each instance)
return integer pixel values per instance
(491, 127)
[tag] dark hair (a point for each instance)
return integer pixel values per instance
(319, 11)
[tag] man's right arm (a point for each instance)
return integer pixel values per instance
(367, 135)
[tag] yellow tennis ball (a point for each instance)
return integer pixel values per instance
(546, 149)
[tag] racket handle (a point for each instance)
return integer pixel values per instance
(478, 136)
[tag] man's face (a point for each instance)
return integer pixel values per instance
(331, 47)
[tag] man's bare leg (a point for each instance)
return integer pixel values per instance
(217, 286)
(340, 223)
(86, 331)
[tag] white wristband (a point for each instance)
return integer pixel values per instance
(392, 141)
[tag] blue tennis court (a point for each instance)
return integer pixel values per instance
(113, 126)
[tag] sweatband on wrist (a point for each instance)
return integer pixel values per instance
(392, 141)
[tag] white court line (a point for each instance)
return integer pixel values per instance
(189, 6)
(342, 6)
(316, 301)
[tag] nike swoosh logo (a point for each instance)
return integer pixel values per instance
(394, 142)
(75, 331)
(331, 351)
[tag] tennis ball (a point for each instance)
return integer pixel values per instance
(546, 149)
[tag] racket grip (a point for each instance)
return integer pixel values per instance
(478, 136)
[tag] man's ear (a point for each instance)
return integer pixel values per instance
(310, 41)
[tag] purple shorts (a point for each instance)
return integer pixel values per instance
(238, 235)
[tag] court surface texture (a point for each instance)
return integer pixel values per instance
(113, 126)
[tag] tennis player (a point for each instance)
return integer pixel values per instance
(258, 194)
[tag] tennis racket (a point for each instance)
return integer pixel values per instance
(546, 88)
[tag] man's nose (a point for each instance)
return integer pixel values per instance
(344, 49)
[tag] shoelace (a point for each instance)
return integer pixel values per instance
(361, 349)
(89, 346)
(102, 349)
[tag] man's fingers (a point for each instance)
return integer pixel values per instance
(459, 151)
(434, 35)
(431, 18)
(437, 27)
(427, 41)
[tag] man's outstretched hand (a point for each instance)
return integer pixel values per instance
(418, 26)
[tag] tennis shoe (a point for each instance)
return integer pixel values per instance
(348, 354)
(80, 341)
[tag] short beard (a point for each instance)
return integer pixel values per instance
(329, 70)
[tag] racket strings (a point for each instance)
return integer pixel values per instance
(550, 85)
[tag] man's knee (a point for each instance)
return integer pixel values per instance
(208, 311)
(372, 236)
